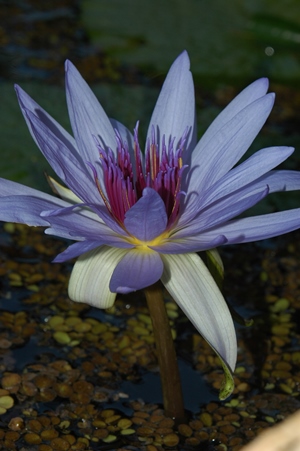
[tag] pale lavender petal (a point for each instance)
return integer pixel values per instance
(138, 269)
(189, 244)
(252, 169)
(26, 209)
(228, 145)
(279, 180)
(27, 103)
(9, 188)
(77, 176)
(126, 135)
(147, 219)
(88, 119)
(76, 249)
(257, 228)
(191, 285)
(127, 138)
(251, 173)
(82, 223)
(223, 210)
(251, 93)
(175, 106)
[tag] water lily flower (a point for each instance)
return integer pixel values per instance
(140, 217)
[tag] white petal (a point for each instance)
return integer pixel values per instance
(191, 285)
(89, 282)
(63, 192)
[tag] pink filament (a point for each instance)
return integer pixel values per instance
(124, 185)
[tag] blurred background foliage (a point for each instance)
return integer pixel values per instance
(124, 49)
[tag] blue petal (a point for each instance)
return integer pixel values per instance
(76, 249)
(138, 269)
(250, 170)
(189, 244)
(27, 103)
(88, 119)
(257, 227)
(228, 145)
(279, 180)
(78, 226)
(222, 210)
(241, 176)
(66, 165)
(147, 219)
(251, 93)
(9, 188)
(26, 209)
(175, 106)
(251, 174)
(82, 223)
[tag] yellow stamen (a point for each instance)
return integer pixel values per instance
(146, 245)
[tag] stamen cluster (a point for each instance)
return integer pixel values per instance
(125, 180)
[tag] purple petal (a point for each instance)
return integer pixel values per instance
(248, 171)
(228, 145)
(66, 165)
(249, 174)
(87, 116)
(223, 210)
(257, 227)
(27, 103)
(253, 92)
(138, 269)
(9, 188)
(26, 209)
(279, 180)
(189, 244)
(191, 285)
(80, 223)
(147, 219)
(76, 249)
(175, 106)
(127, 138)
(126, 135)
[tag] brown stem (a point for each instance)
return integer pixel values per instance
(167, 360)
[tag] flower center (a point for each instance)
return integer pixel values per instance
(125, 176)
(144, 245)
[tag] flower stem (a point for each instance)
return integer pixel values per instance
(167, 360)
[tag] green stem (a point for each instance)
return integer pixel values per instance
(167, 360)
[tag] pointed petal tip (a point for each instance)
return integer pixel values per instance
(261, 85)
(183, 59)
(21, 94)
(263, 82)
(68, 65)
(270, 99)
